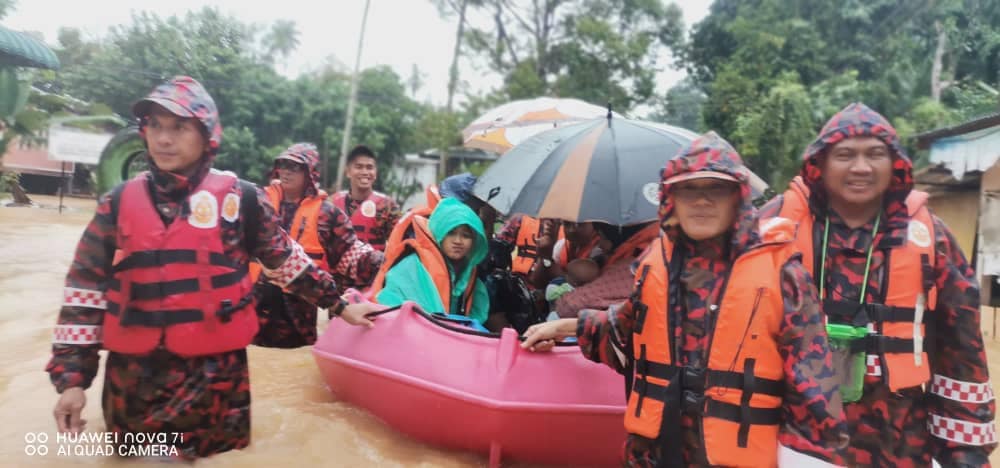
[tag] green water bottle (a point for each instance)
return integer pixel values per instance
(849, 366)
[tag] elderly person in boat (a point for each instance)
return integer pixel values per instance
(436, 266)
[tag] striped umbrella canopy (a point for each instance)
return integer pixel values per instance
(21, 50)
(501, 128)
(605, 170)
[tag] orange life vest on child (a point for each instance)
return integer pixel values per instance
(910, 275)
(739, 395)
(422, 243)
(175, 284)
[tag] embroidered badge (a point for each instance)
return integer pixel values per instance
(204, 210)
(368, 208)
(231, 207)
(919, 234)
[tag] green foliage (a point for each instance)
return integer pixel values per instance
(600, 51)
(9, 180)
(775, 130)
(681, 106)
(775, 70)
(262, 112)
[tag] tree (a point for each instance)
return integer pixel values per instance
(596, 50)
(923, 64)
(682, 106)
(282, 40)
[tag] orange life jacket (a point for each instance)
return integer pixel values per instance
(433, 196)
(175, 284)
(304, 228)
(739, 395)
(527, 251)
(365, 218)
(891, 350)
(421, 241)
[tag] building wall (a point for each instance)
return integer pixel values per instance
(959, 211)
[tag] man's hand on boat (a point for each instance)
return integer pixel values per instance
(543, 336)
(357, 314)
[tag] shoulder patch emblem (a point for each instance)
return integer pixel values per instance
(204, 210)
(368, 208)
(231, 207)
(919, 234)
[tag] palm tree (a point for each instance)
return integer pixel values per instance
(282, 40)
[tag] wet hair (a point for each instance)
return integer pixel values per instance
(359, 151)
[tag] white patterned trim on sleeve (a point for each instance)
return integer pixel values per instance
(297, 262)
(965, 392)
(76, 297)
(76, 334)
(348, 264)
(962, 432)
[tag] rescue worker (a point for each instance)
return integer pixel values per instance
(175, 308)
(723, 336)
(327, 236)
(891, 270)
(436, 268)
(372, 213)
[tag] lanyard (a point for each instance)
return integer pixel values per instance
(868, 262)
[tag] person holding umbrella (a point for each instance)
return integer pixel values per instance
(722, 339)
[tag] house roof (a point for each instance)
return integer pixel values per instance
(924, 140)
(21, 50)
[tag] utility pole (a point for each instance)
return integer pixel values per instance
(350, 104)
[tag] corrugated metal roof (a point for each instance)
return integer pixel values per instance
(967, 152)
(21, 50)
(924, 140)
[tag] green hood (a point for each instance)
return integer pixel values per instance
(448, 215)
(408, 280)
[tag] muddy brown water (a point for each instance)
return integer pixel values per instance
(296, 420)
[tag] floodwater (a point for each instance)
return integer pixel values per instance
(296, 421)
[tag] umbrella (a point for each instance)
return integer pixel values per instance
(21, 50)
(503, 127)
(604, 170)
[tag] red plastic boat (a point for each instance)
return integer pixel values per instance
(456, 388)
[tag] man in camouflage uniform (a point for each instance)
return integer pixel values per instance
(204, 398)
(858, 215)
(288, 321)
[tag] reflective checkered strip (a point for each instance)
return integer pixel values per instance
(874, 365)
(294, 265)
(962, 432)
(76, 334)
(348, 263)
(75, 297)
(965, 392)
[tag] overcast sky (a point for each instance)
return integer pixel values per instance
(399, 33)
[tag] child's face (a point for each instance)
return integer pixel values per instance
(458, 243)
(582, 271)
